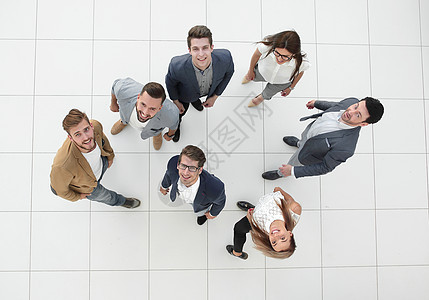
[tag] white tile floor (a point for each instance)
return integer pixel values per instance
(364, 232)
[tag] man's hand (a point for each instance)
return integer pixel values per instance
(179, 106)
(210, 101)
(82, 196)
(286, 170)
(209, 216)
(164, 191)
(110, 162)
(114, 107)
(166, 137)
(286, 92)
(310, 104)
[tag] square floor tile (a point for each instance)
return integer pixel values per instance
(424, 22)
(225, 284)
(15, 237)
(217, 14)
(349, 61)
(16, 182)
(342, 248)
(22, 27)
(56, 285)
(404, 189)
(17, 57)
(42, 197)
(388, 131)
(63, 67)
(425, 59)
(414, 232)
(178, 283)
(119, 241)
(408, 282)
(289, 282)
(18, 139)
(279, 16)
(125, 20)
(71, 20)
(180, 231)
(358, 168)
(165, 51)
(119, 59)
(385, 74)
(49, 134)
(399, 25)
(307, 235)
(126, 177)
(129, 285)
(337, 283)
(14, 285)
(336, 28)
(223, 229)
(60, 241)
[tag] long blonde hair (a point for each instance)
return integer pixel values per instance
(261, 238)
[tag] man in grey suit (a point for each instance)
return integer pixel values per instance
(329, 140)
(202, 72)
(145, 109)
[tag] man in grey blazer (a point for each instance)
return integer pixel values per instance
(329, 140)
(145, 109)
(202, 72)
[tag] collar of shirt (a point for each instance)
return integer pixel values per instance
(188, 193)
(203, 72)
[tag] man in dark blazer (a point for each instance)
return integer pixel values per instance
(329, 140)
(188, 181)
(202, 72)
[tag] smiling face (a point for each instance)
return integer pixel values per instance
(82, 136)
(282, 55)
(187, 177)
(147, 107)
(201, 53)
(356, 114)
(280, 238)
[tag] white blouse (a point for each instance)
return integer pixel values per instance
(267, 211)
(272, 71)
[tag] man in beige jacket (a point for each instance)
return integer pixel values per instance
(81, 162)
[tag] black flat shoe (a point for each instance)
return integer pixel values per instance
(197, 105)
(176, 136)
(244, 205)
(271, 175)
(243, 255)
(201, 220)
(291, 140)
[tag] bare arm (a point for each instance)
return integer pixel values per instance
(114, 104)
(255, 57)
(293, 205)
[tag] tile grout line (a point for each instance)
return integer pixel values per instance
(32, 151)
(373, 152)
(208, 165)
(149, 272)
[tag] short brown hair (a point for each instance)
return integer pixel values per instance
(73, 118)
(199, 32)
(193, 153)
(155, 90)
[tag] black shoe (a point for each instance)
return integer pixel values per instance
(271, 175)
(201, 220)
(198, 105)
(131, 203)
(230, 248)
(244, 205)
(176, 136)
(291, 140)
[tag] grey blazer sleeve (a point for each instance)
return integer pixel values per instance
(228, 74)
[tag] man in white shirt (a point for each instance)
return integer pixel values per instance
(81, 162)
(188, 181)
(329, 140)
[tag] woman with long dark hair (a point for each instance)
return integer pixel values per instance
(279, 61)
(270, 224)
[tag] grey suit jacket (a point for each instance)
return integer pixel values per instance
(182, 82)
(323, 153)
(126, 91)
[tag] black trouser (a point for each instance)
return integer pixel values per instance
(241, 228)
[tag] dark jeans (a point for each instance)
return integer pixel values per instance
(241, 228)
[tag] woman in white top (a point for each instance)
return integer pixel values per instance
(270, 224)
(278, 60)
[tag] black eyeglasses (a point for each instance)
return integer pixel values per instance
(284, 57)
(190, 168)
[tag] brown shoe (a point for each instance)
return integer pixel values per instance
(117, 127)
(157, 141)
